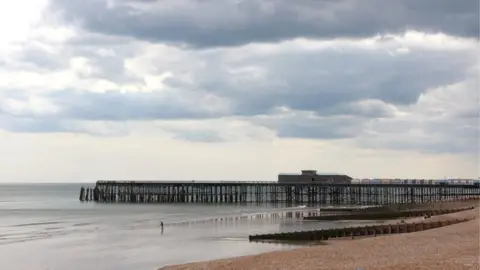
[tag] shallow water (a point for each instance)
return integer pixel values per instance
(46, 227)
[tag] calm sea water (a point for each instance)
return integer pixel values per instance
(44, 226)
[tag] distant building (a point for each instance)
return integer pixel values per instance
(311, 176)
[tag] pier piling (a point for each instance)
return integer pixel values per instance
(82, 194)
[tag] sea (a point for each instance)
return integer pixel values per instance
(45, 226)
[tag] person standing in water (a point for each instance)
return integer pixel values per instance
(161, 224)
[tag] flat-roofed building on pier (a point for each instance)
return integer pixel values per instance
(311, 176)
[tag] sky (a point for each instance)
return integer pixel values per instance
(238, 89)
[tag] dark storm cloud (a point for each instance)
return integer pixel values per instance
(232, 22)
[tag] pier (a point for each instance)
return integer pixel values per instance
(273, 192)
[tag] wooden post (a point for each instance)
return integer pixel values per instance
(82, 194)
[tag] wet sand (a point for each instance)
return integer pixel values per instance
(451, 247)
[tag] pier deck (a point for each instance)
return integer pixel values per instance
(272, 192)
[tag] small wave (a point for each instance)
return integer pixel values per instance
(53, 228)
(173, 214)
(37, 223)
(25, 237)
(81, 224)
(233, 239)
(6, 241)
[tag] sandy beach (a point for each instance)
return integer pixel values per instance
(451, 247)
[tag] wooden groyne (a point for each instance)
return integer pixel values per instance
(273, 192)
(319, 235)
(387, 215)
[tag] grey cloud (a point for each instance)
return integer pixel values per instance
(31, 125)
(106, 54)
(327, 82)
(107, 60)
(117, 106)
(307, 126)
(231, 22)
(420, 133)
(39, 125)
(335, 94)
(469, 114)
(204, 136)
(35, 59)
(43, 58)
(366, 108)
(425, 134)
(108, 67)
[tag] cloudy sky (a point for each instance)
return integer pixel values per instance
(238, 89)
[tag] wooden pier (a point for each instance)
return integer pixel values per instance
(273, 192)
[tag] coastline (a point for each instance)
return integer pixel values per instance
(451, 247)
